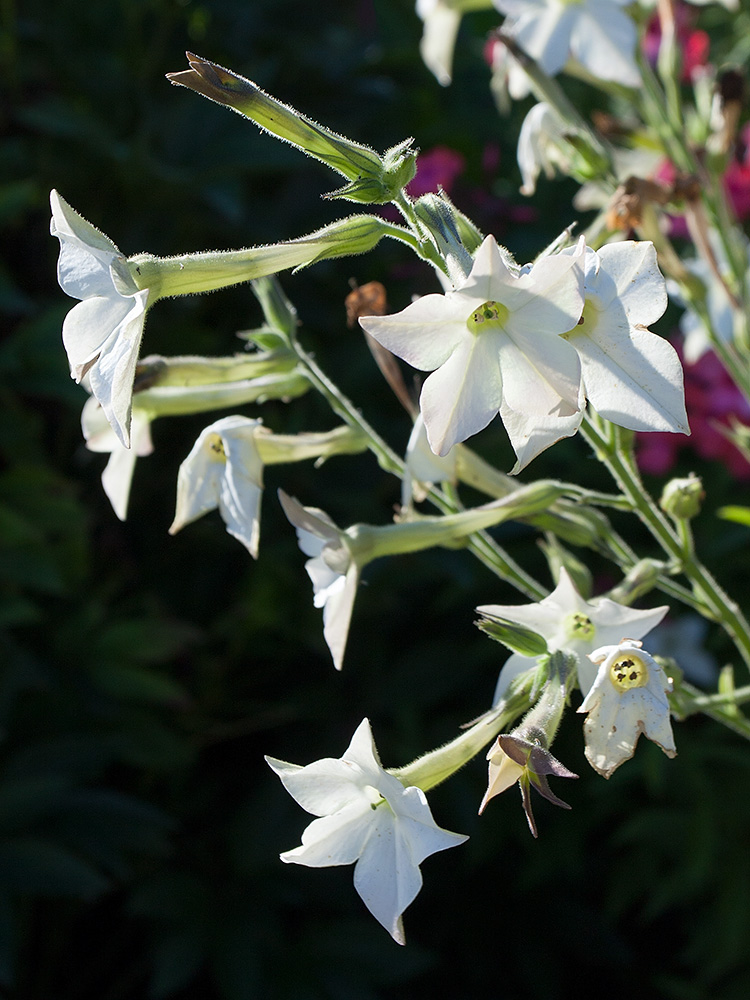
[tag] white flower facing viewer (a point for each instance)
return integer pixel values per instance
(628, 697)
(224, 469)
(102, 334)
(492, 341)
(566, 621)
(365, 816)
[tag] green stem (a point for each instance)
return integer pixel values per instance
(482, 545)
(714, 602)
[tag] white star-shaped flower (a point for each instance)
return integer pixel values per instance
(224, 469)
(597, 33)
(365, 816)
(493, 340)
(102, 334)
(333, 571)
(567, 621)
(100, 436)
(628, 697)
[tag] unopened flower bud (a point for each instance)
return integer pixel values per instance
(681, 498)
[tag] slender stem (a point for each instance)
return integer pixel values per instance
(482, 545)
(714, 602)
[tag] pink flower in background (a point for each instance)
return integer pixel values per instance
(737, 176)
(436, 168)
(713, 401)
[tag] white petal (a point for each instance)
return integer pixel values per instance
(634, 269)
(112, 376)
(438, 38)
(541, 375)
(463, 395)
(118, 474)
(603, 39)
(530, 436)
(545, 35)
(337, 615)
(425, 333)
(334, 840)
(631, 376)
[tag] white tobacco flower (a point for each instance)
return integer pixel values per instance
(101, 437)
(224, 469)
(596, 33)
(628, 697)
(441, 23)
(331, 568)
(630, 376)
(365, 816)
(102, 334)
(566, 621)
(493, 340)
(541, 146)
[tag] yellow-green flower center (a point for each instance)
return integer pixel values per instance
(628, 671)
(490, 315)
(217, 445)
(587, 323)
(579, 626)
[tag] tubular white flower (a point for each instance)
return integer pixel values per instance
(493, 340)
(567, 621)
(102, 334)
(541, 146)
(628, 697)
(365, 816)
(331, 568)
(597, 33)
(224, 469)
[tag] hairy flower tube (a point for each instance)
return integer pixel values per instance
(492, 341)
(365, 815)
(566, 621)
(627, 698)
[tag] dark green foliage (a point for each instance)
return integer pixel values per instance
(142, 677)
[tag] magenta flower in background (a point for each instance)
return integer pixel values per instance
(713, 401)
(436, 168)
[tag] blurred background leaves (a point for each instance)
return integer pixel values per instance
(142, 677)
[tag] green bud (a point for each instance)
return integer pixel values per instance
(440, 223)
(681, 498)
(372, 178)
(517, 638)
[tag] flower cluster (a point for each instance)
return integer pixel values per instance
(534, 343)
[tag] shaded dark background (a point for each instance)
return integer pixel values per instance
(143, 677)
